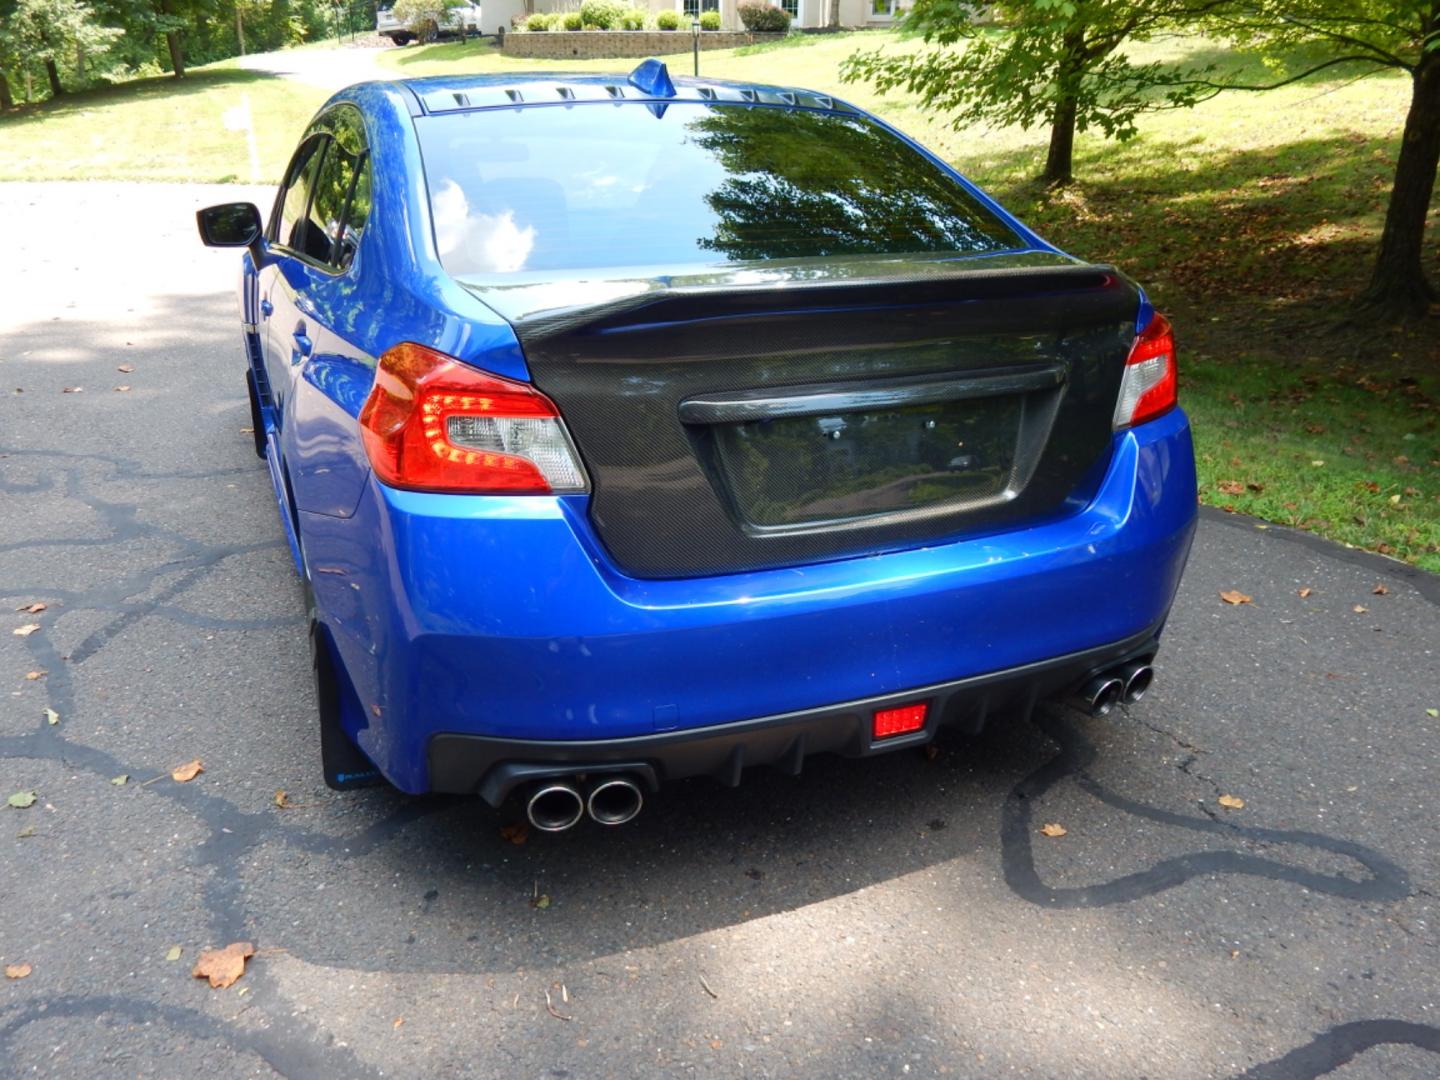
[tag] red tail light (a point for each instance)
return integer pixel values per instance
(433, 424)
(1148, 387)
(899, 720)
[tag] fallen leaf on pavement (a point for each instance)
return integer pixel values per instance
(17, 971)
(121, 780)
(223, 966)
(1434, 714)
(398, 1021)
(33, 609)
(174, 953)
(21, 799)
(1053, 828)
(39, 673)
(1305, 592)
(52, 717)
(1230, 802)
(25, 833)
(122, 389)
(125, 369)
(73, 390)
(185, 773)
(282, 800)
(1360, 609)
(1380, 590)
(1234, 596)
(26, 630)
(517, 834)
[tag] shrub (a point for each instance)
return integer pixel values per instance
(539, 21)
(634, 19)
(709, 20)
(667, 20)
(603, 14)
(765, 18)
(573, 21)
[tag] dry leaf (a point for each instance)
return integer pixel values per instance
(1053, 828)
(122, 389)
(38, 673)
(517, 834)
(1234, 596)
(26, 630)
(73, 390)
(121, 780)
(1360, 609)
(1232, 487)
(33, 609)
(52, 717)
(27, 831)
(1380, 590)
(125, 369)
(223, 966)
(16, 971)
(174, 953)
(185, 773)
(1305, 592)
(282, 800)
(398, 1021)
(1230, 802)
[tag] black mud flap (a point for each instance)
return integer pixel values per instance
(345, 764)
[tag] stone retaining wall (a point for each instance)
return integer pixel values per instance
(600, 44)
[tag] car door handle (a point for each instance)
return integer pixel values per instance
(266, 308)
(302, 346)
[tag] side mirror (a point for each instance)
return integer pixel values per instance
(229, 225)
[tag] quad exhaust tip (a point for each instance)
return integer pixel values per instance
(555, 806)
(1137, 678)
(615, 801)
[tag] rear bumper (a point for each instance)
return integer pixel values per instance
(472, 627)
(462, 764)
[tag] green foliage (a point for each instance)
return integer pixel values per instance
(573, 21)
(1057, 62)
(709, 20)
(540, 21)
(53, 32)
(761, 17)
(667, 20)
(602, 14)
(633, 19)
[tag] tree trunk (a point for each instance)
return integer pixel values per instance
(53, 74)
(1398, 289)
(239, 30)
(172, 42)
(1060, 161)
(7, 101)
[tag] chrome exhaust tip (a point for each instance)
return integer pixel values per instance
(615, 801)
(1100, 695)
(554, 806)
(1137, 678)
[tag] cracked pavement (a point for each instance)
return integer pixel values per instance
(899, 916)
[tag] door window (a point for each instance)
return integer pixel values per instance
(289, 225)
(334, 226)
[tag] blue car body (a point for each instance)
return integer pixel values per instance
(478, 640)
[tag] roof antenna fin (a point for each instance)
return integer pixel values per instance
(652, 77)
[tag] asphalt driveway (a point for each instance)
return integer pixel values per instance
(903, 916)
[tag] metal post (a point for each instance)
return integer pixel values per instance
(695, 39)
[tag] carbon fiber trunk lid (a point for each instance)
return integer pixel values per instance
(780, 414)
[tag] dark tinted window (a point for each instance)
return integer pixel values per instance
(328, 210)
(592, 186)
(300, 179)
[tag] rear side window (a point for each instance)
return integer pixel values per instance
(592, 186)
(289, 228)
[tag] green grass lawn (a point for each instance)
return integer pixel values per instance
(1250, 219)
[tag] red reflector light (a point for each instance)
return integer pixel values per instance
(1148, 387)
(899, 720)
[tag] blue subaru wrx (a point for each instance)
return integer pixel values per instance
(627, 429)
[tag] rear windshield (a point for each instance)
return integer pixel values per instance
(613, 185)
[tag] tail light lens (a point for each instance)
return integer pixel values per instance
(433, 424)
(1148, 387)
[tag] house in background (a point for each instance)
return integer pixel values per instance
(804, 14)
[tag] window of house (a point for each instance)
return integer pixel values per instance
(693, 8)
(792, 8)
